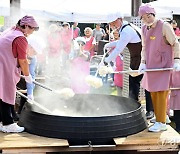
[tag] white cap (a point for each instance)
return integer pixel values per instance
(65, 23)
(114, 16)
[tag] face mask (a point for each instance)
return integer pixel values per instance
(149, 24)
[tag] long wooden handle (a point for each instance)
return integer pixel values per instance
(43, 86)
(178, 88)
(147, 70)
(39, 84)
(158, 69)
(105, 53)
(34, 102)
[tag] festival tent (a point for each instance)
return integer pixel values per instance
(87, 11)
(4, 8)
(163, 13)
(170, 5)
(82, 11)
(92, 11)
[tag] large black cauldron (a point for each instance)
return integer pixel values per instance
(86, 117)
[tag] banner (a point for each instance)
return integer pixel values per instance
(1, 21)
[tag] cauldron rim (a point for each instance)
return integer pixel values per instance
(139, 106)
(54, 115)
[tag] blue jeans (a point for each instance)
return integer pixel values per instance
(32, 67)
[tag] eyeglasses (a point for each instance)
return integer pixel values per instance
(35, 28)
(116, 33)
(65, 25)
(146, 17)
(31, 27)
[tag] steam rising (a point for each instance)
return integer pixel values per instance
(58, 77)
(88, 105)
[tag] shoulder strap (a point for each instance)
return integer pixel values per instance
(133, 28)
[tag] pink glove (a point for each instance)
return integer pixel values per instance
(28, 79)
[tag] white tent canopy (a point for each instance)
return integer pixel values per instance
(169, 5)
(163, 13)
(84, 11)
(4, 8)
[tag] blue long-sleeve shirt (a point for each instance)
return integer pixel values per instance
(127, 35)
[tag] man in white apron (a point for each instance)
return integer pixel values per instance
(160, 49)
(130, 37)
(13, 60)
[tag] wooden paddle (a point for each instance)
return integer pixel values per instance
(136, 72)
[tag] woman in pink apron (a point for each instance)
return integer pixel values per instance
(54, 40)
(118, 78)
(90, 41)
(13, 46)
(159, 42)
(175, 97)
(66, 40)
(76, 30)
(54, 50)
(176, 29)
(80, 67)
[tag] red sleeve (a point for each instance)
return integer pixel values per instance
(19, 47)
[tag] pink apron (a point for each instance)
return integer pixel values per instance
(80, 69)
(54, 41)
(158, 55)
(88, 46)
(10, 74)
(177, 31)
(66, 36)
(118, 78)
(175, 94)
(76, 32)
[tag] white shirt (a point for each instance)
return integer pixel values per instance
(127, 35)
(88, 39)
